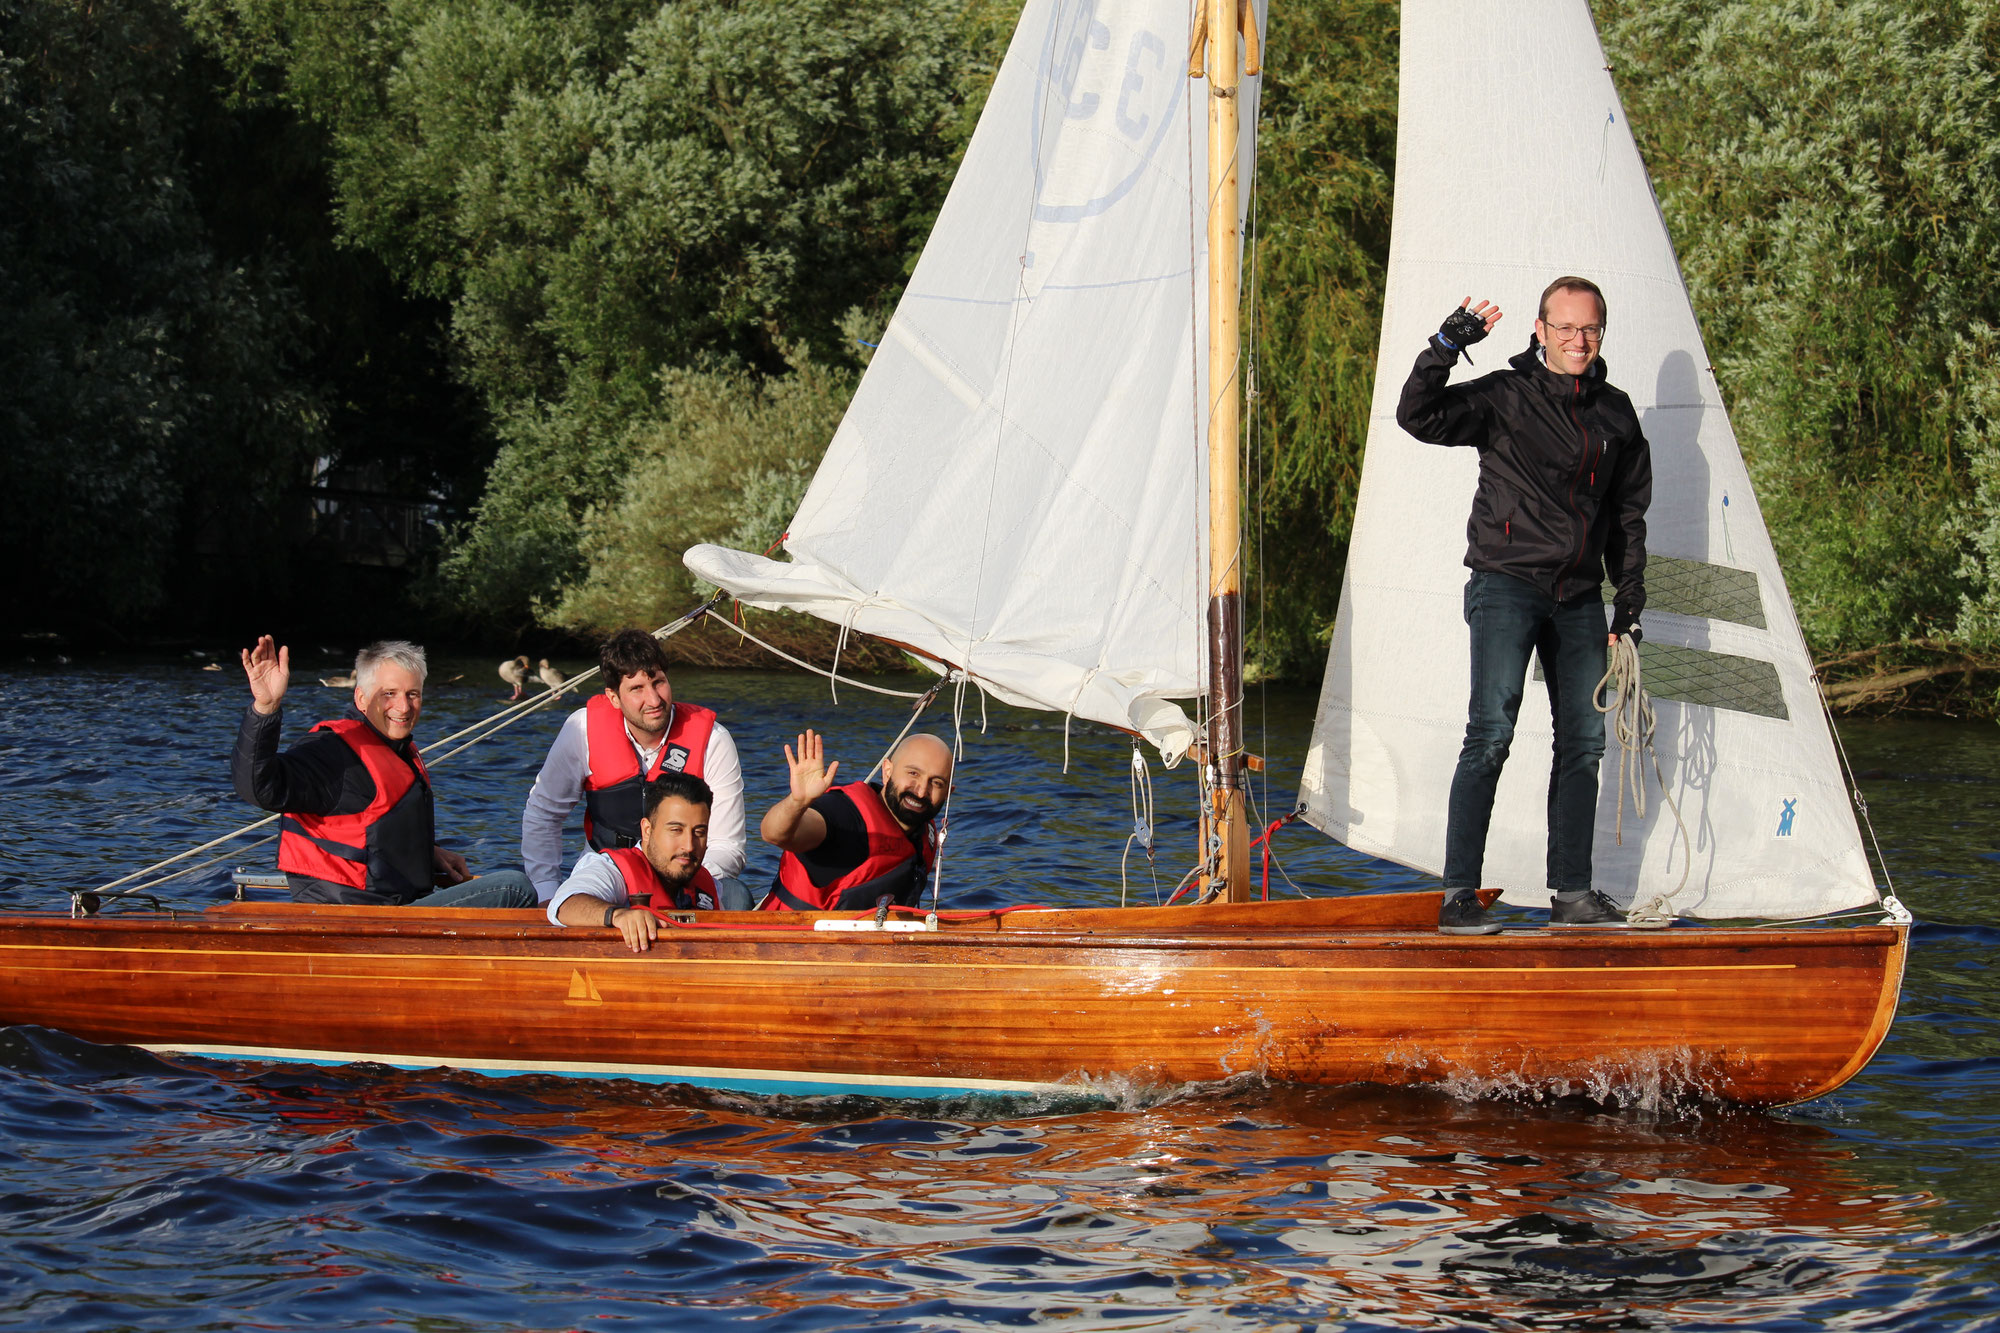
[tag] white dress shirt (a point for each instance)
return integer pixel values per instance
(596, 876)
(559, 786)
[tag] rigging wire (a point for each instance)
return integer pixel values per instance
(1198, 458)
(1271, 851)
(951, 788)
(1890, 903)
(923, 701)
(1254, 473)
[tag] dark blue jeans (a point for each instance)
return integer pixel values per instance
(497, 888)
(1510, 619)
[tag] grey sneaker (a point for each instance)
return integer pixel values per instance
(1593, 909)
(1463, 914)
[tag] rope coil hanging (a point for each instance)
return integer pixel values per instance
(1632, 723)
(1142, 824)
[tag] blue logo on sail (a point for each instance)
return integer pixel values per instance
(1785, 819)
(1100, 66)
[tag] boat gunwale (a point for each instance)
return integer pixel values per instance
(469, 925)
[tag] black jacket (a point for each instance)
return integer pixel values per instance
(1565, 473)
(321, 775)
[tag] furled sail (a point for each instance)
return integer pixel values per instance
(1015, 489)
(1515, 166)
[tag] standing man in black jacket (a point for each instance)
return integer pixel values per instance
(1565, 476)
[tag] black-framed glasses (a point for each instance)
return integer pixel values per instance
(1592, 333)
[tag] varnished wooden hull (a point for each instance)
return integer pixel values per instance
(1327, 991)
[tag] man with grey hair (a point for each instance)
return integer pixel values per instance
(356, 801)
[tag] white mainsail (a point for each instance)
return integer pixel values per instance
(1016, 488)
(1514, 166)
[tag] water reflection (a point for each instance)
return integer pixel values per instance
(140, 1193)
(1219, 1205)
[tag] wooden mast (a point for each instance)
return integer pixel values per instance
(1224, 821)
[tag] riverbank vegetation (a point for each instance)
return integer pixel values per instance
(593, 281)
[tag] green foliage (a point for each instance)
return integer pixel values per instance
(1976, 366)
(148, 406)
(1831, 172)
(647, 221)
(725, 458)
(605, 190)
(1325, 180)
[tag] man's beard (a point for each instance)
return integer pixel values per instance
(925, 812)
(674, 877)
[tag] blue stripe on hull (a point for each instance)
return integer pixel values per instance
(788, 1083)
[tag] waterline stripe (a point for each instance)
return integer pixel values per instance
(789, 1081)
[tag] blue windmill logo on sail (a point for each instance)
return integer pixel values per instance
(1785, 819)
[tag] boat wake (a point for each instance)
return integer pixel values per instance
(1668, 1083)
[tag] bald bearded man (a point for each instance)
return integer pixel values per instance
(849, 848)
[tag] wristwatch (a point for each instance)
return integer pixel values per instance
(610, 911)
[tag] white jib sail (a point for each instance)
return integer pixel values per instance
(1016, 487)
(1515, 166)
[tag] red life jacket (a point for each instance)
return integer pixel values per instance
(385, 848)
(642, 882)
(614, 790)
(894, 866)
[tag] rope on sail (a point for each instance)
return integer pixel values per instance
(1631, 713)
(486, 727)
(799, 662)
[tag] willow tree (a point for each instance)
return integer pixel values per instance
(1830, 170)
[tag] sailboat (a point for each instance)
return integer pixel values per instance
(1016, 497)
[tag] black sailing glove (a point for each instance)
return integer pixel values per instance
(1461, 329)
(1626, 624)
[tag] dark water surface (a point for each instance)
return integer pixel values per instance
(141, 1193)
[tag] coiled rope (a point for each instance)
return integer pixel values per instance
(1632, 723)
(1142, 824)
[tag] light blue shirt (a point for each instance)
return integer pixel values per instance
(596, 876)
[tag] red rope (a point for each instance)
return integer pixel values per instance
(1265, 838)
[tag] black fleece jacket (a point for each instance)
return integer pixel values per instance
(321, 775)
(1565, 474)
